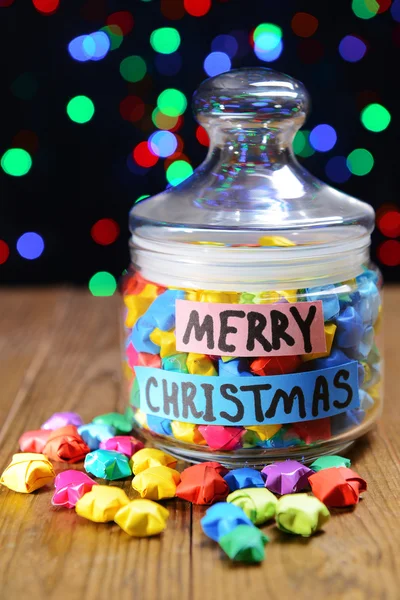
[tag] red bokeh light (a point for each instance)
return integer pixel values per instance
(174, 157)
(143, 155)
(304, 25)
(46, 7)
(132, 108)
(389, 223)
(4, 252)
(172, 9)
(384, 5)
(122, 19)
(310, 51)
(105, 231)
(177, 125)
(26, 139)
(389, 253)
(202, 136)
(4, 4)
(197, 8)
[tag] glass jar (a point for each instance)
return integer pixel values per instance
(250, 307)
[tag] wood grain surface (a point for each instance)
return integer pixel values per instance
(59, 350)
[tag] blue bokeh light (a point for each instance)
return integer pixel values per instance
(395, 10)
(225, 43)
(352, 49)
(94, 46)
(163, 143)
(337, 170)
(268, 55)
(323, 138)
(216, 63)
(30, 245)
(168, 64)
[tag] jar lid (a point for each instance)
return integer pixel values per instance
(250, 185)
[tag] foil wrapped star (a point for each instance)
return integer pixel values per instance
(156, 483)
(102, 503)
(337, 486)
(107, 464)
(203, 484)
(142, 518)
(222, 518)
(301, 514)
(244, 544)
(62, 419)
(259, 504)
(66, 445)
(27, 472)
(286, 477)
(70, 486)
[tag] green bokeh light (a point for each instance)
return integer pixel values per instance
(102, 284)
(115, 35)
(375, 117)
(16, 162)
(165, 40)
(365, 9)
(267, 28)
(360, 161)
(301, 145)
(178, 171)
(133, 68)
(172, 102)
(80, 109)
(141, 198)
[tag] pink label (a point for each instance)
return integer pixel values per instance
(250, 329)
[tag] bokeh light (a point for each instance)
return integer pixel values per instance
(389, 253)
(47, 7)
(310, 51)
(141, 198)
(197, 8)
(114, 34)
(202, 136)
(163, 121)
(178, 171)
(94, 46)
(132, 108)
(172, 102)
(4, 249)
(360, 161)
(5, 4)
(27, 140)
(25, 86)
(395, 10)
(375, 117)
(105, 231)
(337, 170)
(268, 44)
(304, 24)
(16, 162)
(384, 5)
(144, 156)
(365, 9)
(225, 43)
(323, 138)
(172, 10)
(168, 64)
(30, 245)
(216, 63)
(301, 144)
(80, 109)
(163, 143)
(165, 40)
(122, 19)
(133, 68)
(352, 48)
(102, 284)
(389, 223)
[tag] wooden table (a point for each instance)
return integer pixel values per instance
(59, 350)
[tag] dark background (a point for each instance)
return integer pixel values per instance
(80, 173)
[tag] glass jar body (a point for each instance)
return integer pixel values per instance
(217, 399)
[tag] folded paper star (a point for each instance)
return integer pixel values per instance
(162, 309)
(102, 503)
(156, 483)
(218, 297)
(175, 362)
(329, 462)
(286, 477)
(165, 341)
(203, 484)
(275, 365)
(222, 518)
(330, 330)
(314, 431)
(144, 359)
(244, 478)
(200, 364)
(62, 419)
(330, 300)
(219, 437)
(140, 336)
(125, 444)
(259, 504)
(245, 543)
(66, 445)
(151, 457)
(119, 422)
(187, 432)
(70, 486)
(107, 464)
(264, 432)
(94, 433)
(159, 425)
(142, 518)
(338, 486)
(33, 441)
(350, 328)
(300, 514)
(138, 304)
(238, 367)
(27, 472)
(275, 240)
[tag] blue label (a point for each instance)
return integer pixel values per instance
(248, 400)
